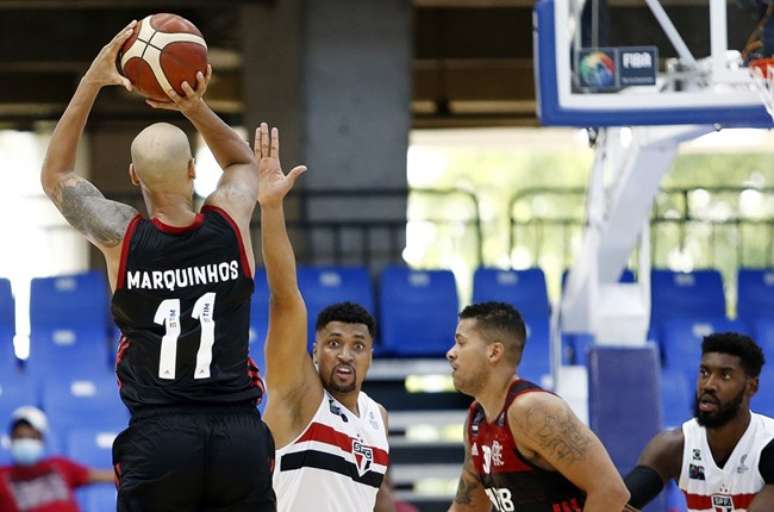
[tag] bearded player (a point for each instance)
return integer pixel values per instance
(722, 459)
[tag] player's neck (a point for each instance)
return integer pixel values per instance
(493, 393)
(348, 400)
(723, 440)
(170, 208)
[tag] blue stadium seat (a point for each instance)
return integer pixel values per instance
(763, 333)
(70, 301)
(16, 390)
(686, 295)
(418, 311)
(524, 289)
(65, 352)
(535, 360)
(83, 403)
(97, 498)
(7, 310)
(681, 340)
(755, 294)
(763, 401)
(92, 447)
(323, 286)
(676, 398)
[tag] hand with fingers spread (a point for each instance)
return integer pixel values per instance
(103, 70)
(273, 184)
(191, 99)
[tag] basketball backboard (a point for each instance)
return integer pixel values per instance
(623, 63)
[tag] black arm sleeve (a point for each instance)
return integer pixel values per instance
(644, 484)
(766, 464)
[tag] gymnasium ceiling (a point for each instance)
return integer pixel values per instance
(472, 58)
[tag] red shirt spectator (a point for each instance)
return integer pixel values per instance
(37, 484)
(43, 487)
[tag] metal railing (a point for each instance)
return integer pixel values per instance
(682, 214)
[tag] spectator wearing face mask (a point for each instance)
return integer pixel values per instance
(36, 482)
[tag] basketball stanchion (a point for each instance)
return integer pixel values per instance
(762, 73)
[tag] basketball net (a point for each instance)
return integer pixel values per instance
(762, 73)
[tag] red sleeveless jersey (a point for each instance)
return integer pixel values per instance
(511, 482)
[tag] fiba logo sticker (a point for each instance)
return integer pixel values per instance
(364, 457)
(597, 69)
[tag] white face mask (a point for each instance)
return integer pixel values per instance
(26, 452)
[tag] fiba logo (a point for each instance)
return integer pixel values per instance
(597, 69)
(637, 60)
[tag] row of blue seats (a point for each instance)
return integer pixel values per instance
(83, 298)
(78, 304)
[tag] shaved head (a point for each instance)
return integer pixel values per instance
(161, 156)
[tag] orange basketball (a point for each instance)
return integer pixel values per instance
(164, 51)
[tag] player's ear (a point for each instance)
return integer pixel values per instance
(314, 353)
(496, 351)
(133, 176)
(752, 386)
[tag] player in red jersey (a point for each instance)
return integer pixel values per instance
(525, 450)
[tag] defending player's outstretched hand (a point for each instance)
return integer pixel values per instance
(103, 70)
(273, 184)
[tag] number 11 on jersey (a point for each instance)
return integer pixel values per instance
(168, 315)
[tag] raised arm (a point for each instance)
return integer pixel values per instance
(293, 385)
(659, 462)
(238, 186)
(471, 496)
(544, 424)
(102, 221)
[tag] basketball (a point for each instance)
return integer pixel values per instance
(164, 51)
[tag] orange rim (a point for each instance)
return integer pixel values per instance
(763, 65)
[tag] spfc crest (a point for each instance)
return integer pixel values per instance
(722, 503)
(364, 457)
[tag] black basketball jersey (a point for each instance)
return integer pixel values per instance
(510, 481)
(182, 302)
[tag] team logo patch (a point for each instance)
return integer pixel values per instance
(722, 503)
(696, 472)
(696, 454)
(364, 457)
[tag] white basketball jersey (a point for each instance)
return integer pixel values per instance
(708, 488)
(338, 462)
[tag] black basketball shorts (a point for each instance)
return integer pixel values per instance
(197, 459)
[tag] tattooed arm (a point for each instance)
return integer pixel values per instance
(545, 428)
(471, 496)
(85, 208)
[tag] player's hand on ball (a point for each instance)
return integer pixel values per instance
(103, 70)
(192, 98)
(273, 184)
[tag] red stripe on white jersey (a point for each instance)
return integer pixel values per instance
(328, 435)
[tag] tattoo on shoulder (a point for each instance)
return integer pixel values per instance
(558, 434)
(86, 209)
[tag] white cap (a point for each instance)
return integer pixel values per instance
(33, 416)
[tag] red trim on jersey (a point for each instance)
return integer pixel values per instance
(121, 278)
(178, 230)
(328, 435)
(254, 374)
(235, 227)
(699, 501)
(122, 346)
